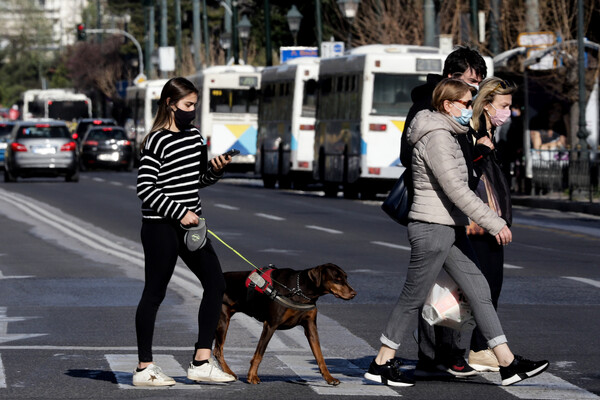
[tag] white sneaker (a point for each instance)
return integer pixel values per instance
(152, 375)
(208, 372)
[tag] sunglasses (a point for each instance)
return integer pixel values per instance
(503, 84)
(467, 104)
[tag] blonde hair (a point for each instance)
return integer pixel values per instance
(450, 89)
(488, 90)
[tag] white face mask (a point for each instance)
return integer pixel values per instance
(473, 85)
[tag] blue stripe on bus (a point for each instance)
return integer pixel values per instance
(246, 144)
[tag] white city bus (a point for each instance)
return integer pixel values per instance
(364, 97)
(141, 102)
(60, 104)
(227, 110)
(286, 122)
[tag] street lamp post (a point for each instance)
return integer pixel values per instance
(349, 9)
(293, 18)
(244, 32)
(225, 41)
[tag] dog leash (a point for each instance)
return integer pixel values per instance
(257, 278)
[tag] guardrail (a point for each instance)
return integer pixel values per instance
(568, 171)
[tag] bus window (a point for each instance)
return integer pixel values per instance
(232, 101)
(309, 99)
(68, 110)
(391, 95)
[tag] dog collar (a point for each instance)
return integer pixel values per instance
(261, 281)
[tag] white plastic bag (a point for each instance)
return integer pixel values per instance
(446, 305)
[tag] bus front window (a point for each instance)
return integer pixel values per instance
(235, 101)
(391, 93)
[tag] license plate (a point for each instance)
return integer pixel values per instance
(108, 157)
(43, 150)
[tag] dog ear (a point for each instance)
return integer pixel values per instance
(314, 275)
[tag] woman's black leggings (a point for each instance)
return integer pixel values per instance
(163, 243)
(490, 255)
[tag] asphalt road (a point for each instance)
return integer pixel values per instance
(71, 273)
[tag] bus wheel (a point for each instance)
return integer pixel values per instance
(269, 181)
(350, 191)
(330, 189)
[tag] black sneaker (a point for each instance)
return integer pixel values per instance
(427, 368)
(457, 366)
(388, 374)
(520, 369)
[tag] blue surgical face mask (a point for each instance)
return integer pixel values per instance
(465, 115)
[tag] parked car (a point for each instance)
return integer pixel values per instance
(41, 148)
(5, 129)
(106, 146)
(84, 123)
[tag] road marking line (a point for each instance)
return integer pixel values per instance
(98, 179)
(584, 280)
(132, 187)
(353, 383)
(2, 375)
(232, 349)
(226, 207)
(320, 228)
(115, 183)
(392, 245)
(269, 216)
(545, 386)
(510, 266)
(2, 276)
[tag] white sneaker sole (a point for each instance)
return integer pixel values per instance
(377, 378)
(209, 379)
(484, 368)
(519, 377)
(154, 384)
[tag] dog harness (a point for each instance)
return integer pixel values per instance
(260, 280)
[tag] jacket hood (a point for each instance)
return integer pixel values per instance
(427, 121)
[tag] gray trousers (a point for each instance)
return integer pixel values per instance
(434, 247)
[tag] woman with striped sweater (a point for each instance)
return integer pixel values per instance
(169, 176)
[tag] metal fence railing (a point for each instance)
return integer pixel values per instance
(572, 171)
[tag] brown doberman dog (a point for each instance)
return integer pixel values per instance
(306, 287)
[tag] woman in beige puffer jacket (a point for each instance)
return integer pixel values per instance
(442, 206)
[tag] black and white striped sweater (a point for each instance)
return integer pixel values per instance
(169, 175)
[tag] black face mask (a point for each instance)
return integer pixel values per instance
(183, 119)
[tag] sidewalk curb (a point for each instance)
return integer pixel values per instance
(556, 204)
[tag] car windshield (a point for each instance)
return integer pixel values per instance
(43, 132)
(83, 125)
(100, 134)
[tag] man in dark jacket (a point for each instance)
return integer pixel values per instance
(439, 349)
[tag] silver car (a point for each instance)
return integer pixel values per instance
(41, 148)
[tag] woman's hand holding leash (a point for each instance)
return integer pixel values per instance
(190, 218)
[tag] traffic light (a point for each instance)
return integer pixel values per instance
(81, 35)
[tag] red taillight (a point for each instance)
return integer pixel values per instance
(374, 171)
(71, 146)
(74, 136)
(90, 143)
(124, 143)
(42, 125)
(378, 127)
(303, 164)
(307, 127)
(17, 147)
(107, 129)
(97, 122)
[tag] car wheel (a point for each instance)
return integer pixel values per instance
(72, 176)
(8, 177)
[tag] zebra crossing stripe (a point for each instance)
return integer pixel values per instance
(2, 376)
(544, 386)
(351, 377)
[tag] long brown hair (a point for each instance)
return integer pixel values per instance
(174, 90)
